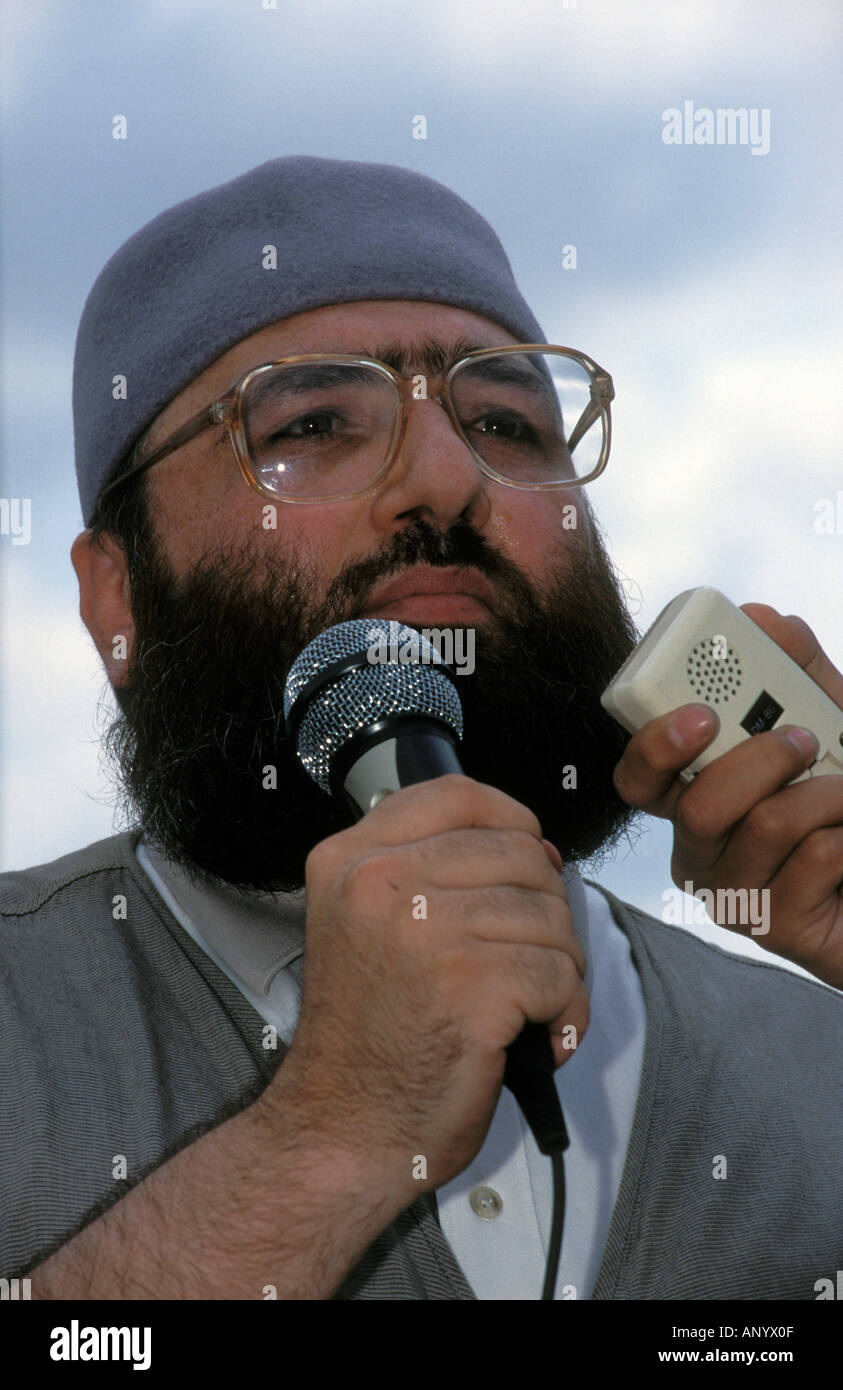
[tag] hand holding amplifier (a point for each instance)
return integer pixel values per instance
(703, 648)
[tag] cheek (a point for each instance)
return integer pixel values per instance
(193, 524)
(540, 531)
(200, 528)
(322, 538)
(318, 540)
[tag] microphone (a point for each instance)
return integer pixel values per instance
(364, 727)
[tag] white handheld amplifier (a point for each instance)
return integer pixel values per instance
(704, 649)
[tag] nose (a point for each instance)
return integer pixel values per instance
(433, 476)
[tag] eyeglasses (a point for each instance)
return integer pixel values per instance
(324, 428)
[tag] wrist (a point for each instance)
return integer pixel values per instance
(328, 1147)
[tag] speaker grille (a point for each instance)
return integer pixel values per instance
(714, 676)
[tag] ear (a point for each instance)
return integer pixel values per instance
(105, 600)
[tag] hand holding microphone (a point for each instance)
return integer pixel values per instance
(436, 924)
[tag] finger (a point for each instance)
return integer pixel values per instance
(813, 872)
(541, 977)
(479, 858)
(729, 788)
(767, 836)
(646, 775)
(453, 802)
(807, 895)
(553, 855)
(568, 1029)
(517, 916)
(795, 637)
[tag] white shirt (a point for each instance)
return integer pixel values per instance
(258, 942)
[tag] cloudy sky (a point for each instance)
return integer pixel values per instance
(706, 280)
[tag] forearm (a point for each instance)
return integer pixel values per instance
(257, 1202)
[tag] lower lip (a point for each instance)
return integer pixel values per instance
(458, 610)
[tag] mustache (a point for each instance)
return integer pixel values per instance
(424, 544)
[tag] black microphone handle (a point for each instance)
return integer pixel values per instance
(422, 749)
(529, 1076)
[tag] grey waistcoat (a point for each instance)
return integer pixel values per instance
(122, 1036)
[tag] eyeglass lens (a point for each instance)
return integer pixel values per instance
(325, 428)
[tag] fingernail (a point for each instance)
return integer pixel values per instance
(692, 725)
(804, 741)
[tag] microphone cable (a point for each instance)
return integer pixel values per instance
(529, 1075)
(556, 1226)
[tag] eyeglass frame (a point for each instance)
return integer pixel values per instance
(228, 410)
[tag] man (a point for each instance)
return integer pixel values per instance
(289, 413)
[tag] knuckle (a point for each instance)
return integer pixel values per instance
(661, 760)
(372, 875)
(477, 800)
(655, 752)
(553, 909)
(495, 904)
(532, 968)
(622, 781)
(551, 975)
(519, 852)
(460, 788)
(525, 845)
(463, 795)
(823, 850)
(516, 905)
(629, 782)
(567, 972)
(767, 823)
(327, 855)
(695, 815)
(453, 781)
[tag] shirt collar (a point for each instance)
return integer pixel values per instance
(257, 934)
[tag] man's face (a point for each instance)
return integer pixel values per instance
(222, 604)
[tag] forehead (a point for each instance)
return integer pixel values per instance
(410, 334)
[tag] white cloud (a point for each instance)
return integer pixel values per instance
(54, 797)
(620, 47)
(26, 31)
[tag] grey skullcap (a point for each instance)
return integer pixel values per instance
(191, 283)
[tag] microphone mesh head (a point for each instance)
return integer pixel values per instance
(372, 686)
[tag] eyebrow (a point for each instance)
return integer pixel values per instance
(302, 378)
(514, 370)
(433, 356)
